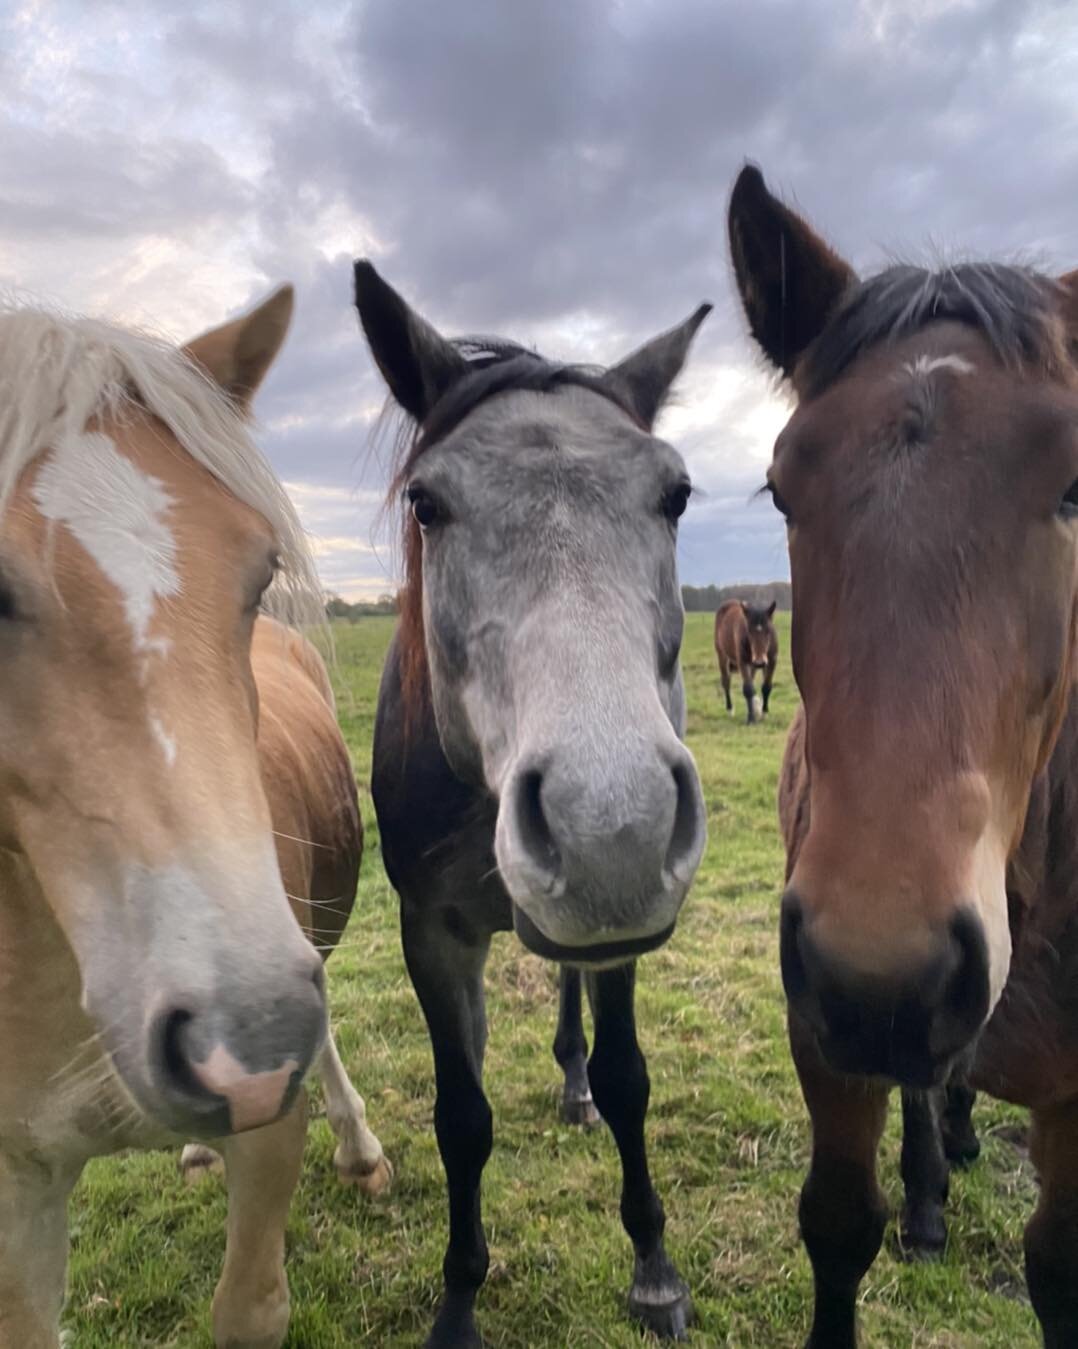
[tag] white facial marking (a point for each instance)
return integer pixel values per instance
(925, 365)
(118, 515)
(166, 741)
(990, 890)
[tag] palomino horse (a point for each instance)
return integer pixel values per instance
(154, 983)
(528, 771)
(746, 641)
(929, 478)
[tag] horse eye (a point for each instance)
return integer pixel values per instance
(675, 500)
(9, 610)
(778, 503)
(424, 507)
(1068, 507)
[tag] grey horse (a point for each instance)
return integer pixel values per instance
(528, 769)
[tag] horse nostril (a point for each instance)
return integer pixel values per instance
(173, 1054)
(683, 852)
(318, 977)
(964, 998)
(534, 830)
(791, 960)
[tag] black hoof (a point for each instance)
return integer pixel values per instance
(581, 1111)
(465, 1339)
(454, 1328)
(659, 1298)
(923, 1235)
(961, 1149)
(669, 1320)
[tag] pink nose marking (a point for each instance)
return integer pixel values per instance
(253, 1098)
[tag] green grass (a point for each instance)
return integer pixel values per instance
(727, 1132)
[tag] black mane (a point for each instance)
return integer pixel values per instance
(1016, 308)
(501, 366)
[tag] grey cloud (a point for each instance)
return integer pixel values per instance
(554, 172)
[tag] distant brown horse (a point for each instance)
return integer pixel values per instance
(929, 479)
(746, 641)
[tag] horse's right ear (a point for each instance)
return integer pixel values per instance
(789, 280)
(417, 363)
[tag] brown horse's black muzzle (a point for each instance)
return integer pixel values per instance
(908, 1028)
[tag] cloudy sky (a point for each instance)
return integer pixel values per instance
(551, 170)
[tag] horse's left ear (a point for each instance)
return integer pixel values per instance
(1069, 285)
(771, 609)
(238, 354)
(790, 281)
(643, 380)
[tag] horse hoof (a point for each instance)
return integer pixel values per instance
(659, 1298)
(454, 1328)
(669, 1319)
(372, 1181)
(198, 1163)
(962, 1149)
(923, 1235)
(580, 1111)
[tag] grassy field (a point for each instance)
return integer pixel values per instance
(727, 1131)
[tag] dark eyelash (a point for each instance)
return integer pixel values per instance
(769, 489)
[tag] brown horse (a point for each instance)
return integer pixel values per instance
(746, 641)
(154, 982)
(929, 478)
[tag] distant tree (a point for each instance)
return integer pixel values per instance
(706, 599)
(340, 608)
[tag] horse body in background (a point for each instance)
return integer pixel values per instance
(154, 983)
(929, 479)
(528, 771)
(746, 642)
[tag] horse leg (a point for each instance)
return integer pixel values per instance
(359, 1158)
(960, 1142)
(769, 676)
(925, 1173)
(446, 970)
(724, 675)
(749, 691)
(250, 1303)
(619, 1080)
(571, 1052)
(842, 1211)
(33, 1251)
(1051, 1239)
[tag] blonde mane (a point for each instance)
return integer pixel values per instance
(59, 372)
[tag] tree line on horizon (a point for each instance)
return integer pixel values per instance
(697, 599)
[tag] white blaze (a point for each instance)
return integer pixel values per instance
(119, 515)
(166, 741)
(925, 365)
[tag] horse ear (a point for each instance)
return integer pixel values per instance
(771, 609)
(1069, 286)
(417, 363)
(238, 354)
(643, 380)
(744, 607)
(789, 280)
